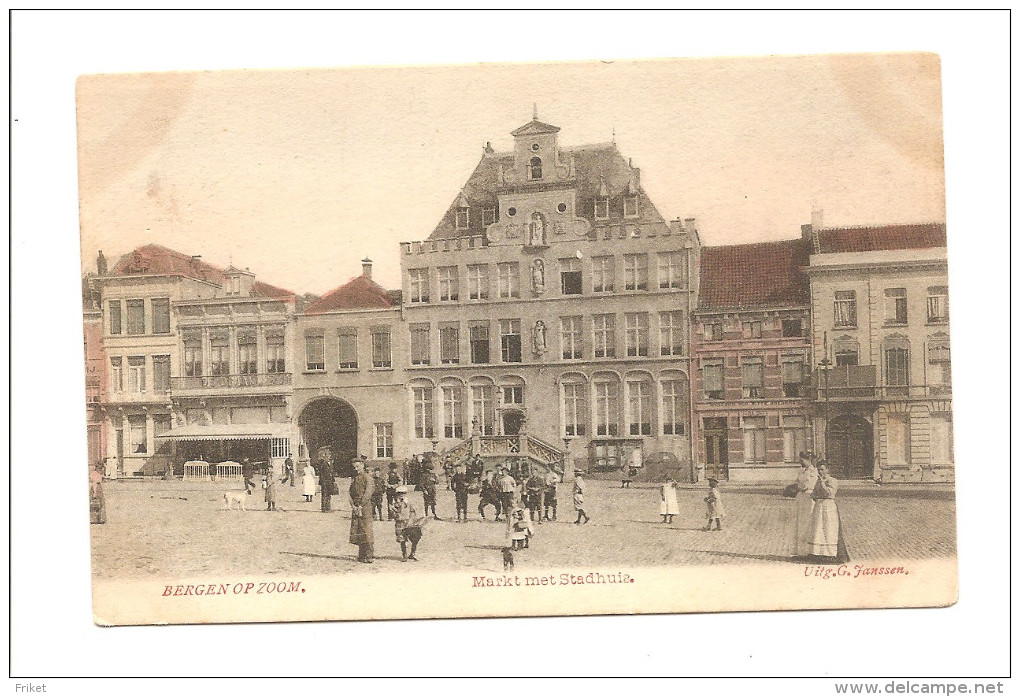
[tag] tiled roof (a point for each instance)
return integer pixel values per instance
(264, 290)
(593, 165)
(754, 275)
(881, 238)
(154, 259)
(360, 293)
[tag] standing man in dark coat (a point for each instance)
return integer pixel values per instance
(361, 512)
(327, 478)
(461, 484)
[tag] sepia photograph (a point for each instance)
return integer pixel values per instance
(332, 329)
(549, 356)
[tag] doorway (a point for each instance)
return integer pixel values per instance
(332, 423)
(850, 448)
(717, 458)
(512, 421)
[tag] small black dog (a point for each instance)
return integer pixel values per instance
(508, 559)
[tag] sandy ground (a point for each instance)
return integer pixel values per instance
(177, 528)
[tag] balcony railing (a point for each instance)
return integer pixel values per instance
(861, 382)
(208, 382)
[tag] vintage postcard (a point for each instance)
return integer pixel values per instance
(508, 340)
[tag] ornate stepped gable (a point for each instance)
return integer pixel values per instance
(592, 170)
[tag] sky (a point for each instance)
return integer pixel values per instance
(298, 175)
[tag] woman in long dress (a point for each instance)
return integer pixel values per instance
(308, 482)
(668, 506)
(97, 497)
(825, 518)
(804, 507)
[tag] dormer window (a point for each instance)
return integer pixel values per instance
(535, 168)
(630, 206)
(462, 218)
(235, 285)
(601, 206)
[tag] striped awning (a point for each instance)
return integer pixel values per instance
(223, 432)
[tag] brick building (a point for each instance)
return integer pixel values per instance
(751, 349)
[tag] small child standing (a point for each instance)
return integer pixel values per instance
(715, 506)
(269, 484)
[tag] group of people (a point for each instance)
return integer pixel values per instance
(816, 532)
(521, 495)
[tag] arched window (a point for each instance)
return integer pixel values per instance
(639, 405)
(452, 396)
(574, 391)
(483, 405)
(607, 405)
(674, 411)
(535, 168)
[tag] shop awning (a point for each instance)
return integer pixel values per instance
(223, 432)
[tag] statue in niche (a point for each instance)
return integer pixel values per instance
(537, 231)
(539, 337)
(538, 276)
(511, 231)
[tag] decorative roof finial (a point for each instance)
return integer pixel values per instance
(534, 111)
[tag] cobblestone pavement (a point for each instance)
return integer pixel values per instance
(180, 529)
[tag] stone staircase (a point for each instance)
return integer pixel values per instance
(497, 449)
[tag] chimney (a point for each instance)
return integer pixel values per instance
(488, 148)
(816, 218)
(366, 268)
(690, 225)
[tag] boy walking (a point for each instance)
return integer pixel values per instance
(714, 502)
(406, 524)
(579, 487)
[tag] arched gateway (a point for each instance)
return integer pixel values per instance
(331, 422)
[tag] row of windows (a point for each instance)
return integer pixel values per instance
(214, 353)
(672, 272)
(753, 377)
(602, 408)
(575, 342)
(347, 349)
(752, 329)
(896, 359)
(129, 317)
(601, 209)
(794, 434)
(129, 374)
(844, 306)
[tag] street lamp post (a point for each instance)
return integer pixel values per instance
(566, 451)
(825, 364)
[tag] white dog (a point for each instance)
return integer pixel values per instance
(230, 498)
